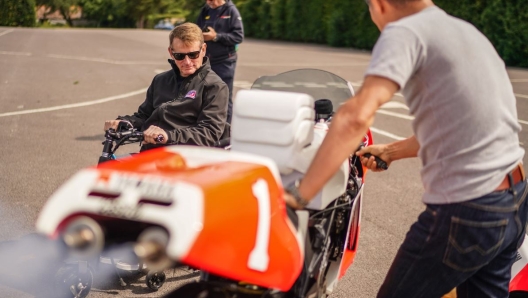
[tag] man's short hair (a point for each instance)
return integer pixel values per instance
(396, 2)
(188, 33)
(402, 2)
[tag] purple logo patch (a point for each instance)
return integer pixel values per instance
(191, 94)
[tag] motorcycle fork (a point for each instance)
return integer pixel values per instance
(107, 150)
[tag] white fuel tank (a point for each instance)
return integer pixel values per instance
(335, 187)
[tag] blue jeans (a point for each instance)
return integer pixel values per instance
(470, 245)
(226, 71)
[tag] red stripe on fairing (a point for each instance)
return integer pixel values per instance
(520, 282)
(348, 254)
(348, 257)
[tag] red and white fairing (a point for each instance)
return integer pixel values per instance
(224, 211)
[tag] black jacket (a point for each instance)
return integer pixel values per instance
(227, 23)
(192, 110)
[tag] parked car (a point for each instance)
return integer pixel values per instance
(164, 25)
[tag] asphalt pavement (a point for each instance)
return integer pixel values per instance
(58, 86)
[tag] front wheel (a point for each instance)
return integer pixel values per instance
(155, 280)
(72, 282)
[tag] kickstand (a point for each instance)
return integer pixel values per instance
(121, 281)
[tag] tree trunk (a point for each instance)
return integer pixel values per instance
(66, 15)
(141, 22)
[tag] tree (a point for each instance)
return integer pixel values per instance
(131, 13)
(107, 13)
(17, 13)
(141, 9)
(65, 7)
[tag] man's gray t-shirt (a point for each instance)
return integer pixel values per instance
(456, 86)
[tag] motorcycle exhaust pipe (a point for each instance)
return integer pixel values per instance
(84, 237)
(151, 249)
(79, 239)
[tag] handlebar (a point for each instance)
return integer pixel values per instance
(129, 136)
(114, 139)
(222, 143)
(380, 163)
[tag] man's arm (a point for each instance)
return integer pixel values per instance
(144, 111)
(236, 31)
(345, 134)
(211, 121)
(200, 20)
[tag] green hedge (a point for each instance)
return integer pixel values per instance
(347, 23)
(17, 13)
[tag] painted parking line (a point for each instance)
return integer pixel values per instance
(395, 105)
(408, 117)
(15, 53)
(6, 32)
(107, 61)
(387, 134)
(397, 115)
(76, 105)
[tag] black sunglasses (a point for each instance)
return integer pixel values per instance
(181, 56)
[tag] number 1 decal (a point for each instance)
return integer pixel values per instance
(259, 256)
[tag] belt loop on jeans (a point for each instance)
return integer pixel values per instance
(512, 186)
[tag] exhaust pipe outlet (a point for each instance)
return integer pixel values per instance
(84, 237)
(151, 249)
(80, 239)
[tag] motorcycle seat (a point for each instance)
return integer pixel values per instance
(274, 124)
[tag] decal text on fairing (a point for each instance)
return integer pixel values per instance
(150, 187)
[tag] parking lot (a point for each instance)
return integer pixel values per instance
(57, 87)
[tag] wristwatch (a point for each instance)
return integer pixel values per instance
(215, 39)
(293, 189)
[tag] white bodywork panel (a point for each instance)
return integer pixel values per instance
(280, 126)
(183, 218)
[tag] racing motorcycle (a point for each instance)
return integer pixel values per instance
(222, 211)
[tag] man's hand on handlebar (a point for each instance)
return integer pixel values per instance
(114, 124)
(373, 151)
(151, 135)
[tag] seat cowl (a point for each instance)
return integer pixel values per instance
(271, 105)
(274, 124)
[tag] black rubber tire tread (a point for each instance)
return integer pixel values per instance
(155, 280)
(65, 275)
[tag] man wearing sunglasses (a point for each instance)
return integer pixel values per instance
(187, 104)
(466, 135)
(223, 32)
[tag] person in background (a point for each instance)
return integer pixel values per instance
(466, 134)
(187, 105)
(223, 31)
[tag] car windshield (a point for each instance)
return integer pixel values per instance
(319, 84)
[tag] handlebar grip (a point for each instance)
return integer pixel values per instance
(380, 163)
(222, 143)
